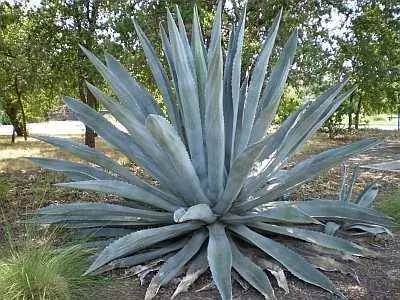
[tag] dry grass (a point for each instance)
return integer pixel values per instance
(12, 156)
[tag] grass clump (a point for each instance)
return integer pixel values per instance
(4, 186)
(390, 205)
(34, 271)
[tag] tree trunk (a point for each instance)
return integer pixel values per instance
(89, 132)
(350, 116)
(21, 108)
(358, 113)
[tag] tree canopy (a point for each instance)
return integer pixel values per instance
(41, 60)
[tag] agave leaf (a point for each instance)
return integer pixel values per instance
(306, 170)
(174, 265)
(214, 116)
(122, 189)
(71, 167)
(88, 209)
(188, 94)
(281, 214)
(237, 176)
(147, 103)
(269, 101)
(184, 38)
(200, 60)
(118, 88)
(332, 210)
(251, 272)
(368, 195)
(295, 263)
(315, 237)
(199, 212)
(139, 240)
(276, 271)
(196, 268)
(142, 257)
(159, 75)
(242, 100)
(114, 136)
(331, 228)
(256, 83)
(393, 165)
(145, 141)
(169, 139)
(103, 219)
(235, 55)
(298, 128)
(219, 257)
(369, 228)
(103, 232)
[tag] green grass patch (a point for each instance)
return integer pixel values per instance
(390, 205)
(33, 270)
(4, 186)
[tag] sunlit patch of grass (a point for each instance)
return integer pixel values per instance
(390, 205)
(12, 156)
(32, 270)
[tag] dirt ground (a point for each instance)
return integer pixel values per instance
(30, 188)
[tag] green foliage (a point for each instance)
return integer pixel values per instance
(390, 205)
(4, 186)
(32, 269)
(220, 175)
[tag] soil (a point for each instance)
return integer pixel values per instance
(379, 278)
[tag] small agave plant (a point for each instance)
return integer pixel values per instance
(220, 175)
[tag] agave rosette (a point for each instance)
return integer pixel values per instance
(219, 173)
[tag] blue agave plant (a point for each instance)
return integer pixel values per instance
(220, 174)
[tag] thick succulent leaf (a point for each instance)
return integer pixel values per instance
(271, 96)
(144, 140)
(237, 176)
(189, 183)
(214, 117)
(256, 83)
(368, 195)
(159, 75)
(174, 265)
(199, 212)
(393, 165)
(188, 95)
(114, 136)
(184, 38)
(332, 210)
(144, 99)
(103, 232)
(117, 86)
(235, 55)
(276, 270)
(197, 267)
(315, 237)
(90, 155)
(297, 129)
(331, 228)
(139, 240)
(219, 257)
(281, 214)
(142, 257)
(369, 228)
(91, 210)
(295, 263)
(242, 100)
(251, 272)
(200, 60)
(122, 189)
(71, 167)
(306, 170)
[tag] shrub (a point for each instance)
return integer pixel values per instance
(219, 175)
(33, 270)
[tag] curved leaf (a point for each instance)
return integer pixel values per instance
(139, 240)
(219, 257)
